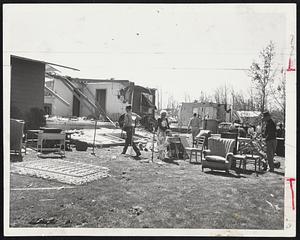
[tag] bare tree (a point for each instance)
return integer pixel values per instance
(279, 95)
(204, 97)
(222, 93)
(240, 102)
(262, 74)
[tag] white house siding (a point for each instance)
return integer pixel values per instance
(208, 110)
(114, 106)
(58, 107)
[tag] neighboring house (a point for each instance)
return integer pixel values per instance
(96, 97)
(207, 110)
(248, 117)
(27, 85)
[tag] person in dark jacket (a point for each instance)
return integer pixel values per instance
(129, 124)
(280, 131)
(270, 136)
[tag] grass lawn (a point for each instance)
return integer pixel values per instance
(176, 194)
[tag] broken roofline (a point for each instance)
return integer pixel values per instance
(99, 80)
(33, 60)
(107, 80)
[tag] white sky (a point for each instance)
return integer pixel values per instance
(179, 48)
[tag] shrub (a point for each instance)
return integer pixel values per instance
(35, 119)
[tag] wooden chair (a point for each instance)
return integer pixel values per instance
(199, 146)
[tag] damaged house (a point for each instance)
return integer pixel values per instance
(105, 99)
(27, 85)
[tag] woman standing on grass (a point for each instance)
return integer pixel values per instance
(162, 126)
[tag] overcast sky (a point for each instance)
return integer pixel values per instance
(182, 49)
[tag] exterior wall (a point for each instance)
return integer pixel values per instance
(58, 107)
(203, 109)
(210, 110)
(27, 84)
(114, 106)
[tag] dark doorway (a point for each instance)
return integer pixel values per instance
(101, 99)
(48, 108)
(76, 106)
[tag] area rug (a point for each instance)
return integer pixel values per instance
(61, 171)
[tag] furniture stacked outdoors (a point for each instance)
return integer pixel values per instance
(16, 136)
(176, 147)
(59, 148)
(173, 146)
(206, 134)
(32, 138)
(198, 148)
(219, 154)
(251, 152)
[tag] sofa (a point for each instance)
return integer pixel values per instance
(219, 154)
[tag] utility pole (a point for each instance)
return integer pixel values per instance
(158, 102)
(161, 104)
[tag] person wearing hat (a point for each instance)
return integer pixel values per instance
(129, 123)
(270, 136)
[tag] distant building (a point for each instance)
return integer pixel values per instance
(207, 110)
(210, 113)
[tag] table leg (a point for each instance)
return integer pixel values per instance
(240, 163)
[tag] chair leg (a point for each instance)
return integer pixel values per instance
(191, 156)
(196, 156)
(202, 169)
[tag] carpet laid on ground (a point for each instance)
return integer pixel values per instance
(61, 171)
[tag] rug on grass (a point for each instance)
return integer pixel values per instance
(61, 171)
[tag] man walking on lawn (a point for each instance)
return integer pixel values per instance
(271, 142)
(129, 123)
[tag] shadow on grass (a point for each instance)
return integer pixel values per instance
(279, 173)
(224, 174)
(51, 156)
(171, 161)
(196, 163)
(16, 158)
(248, 172)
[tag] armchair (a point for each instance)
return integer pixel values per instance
(219, 154)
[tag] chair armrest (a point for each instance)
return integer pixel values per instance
(229, 157)
(206, 152)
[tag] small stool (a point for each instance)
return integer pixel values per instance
(256, 158)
